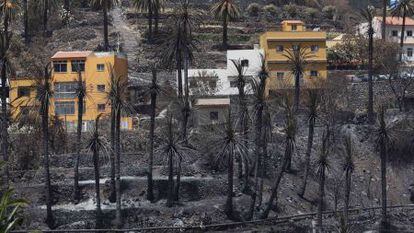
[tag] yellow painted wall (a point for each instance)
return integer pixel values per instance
(92, 78)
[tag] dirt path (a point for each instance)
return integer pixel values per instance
(129, 39)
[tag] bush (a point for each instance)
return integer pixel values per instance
(329, 12)
(253, 10)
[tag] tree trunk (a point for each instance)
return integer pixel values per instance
(150, 191)
(321, 195)
(230, 172)
(308, 155)
(170, 198)
(258, 150)
(45, 15)
(66, 5)
(180, 75)
(225, 36)
(297, 92)
(106, 39)
(370, 83)
(78, 137)
(150, 17)
(347, 195)
(112, 195)
(402, 36)
(118, 168)
(45, 126)
(383, 155)
(26, 21)
(157, 16)
(186, 102)
(384, 19)
(97, 177)
(288, 151)
(178, 181)
(4, 113)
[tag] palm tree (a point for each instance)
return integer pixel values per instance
(384, 19)
(228, 145)
(313, 104)
(243, 114)
(80, 93)
(322, 167)
(298, 59)
(348, 168)
(152, 8)
(96, 144)
(155, 89)
(159, 6)
(44, 95)
(382, 143)
(117, 96)
(8, 9)
(402, 8)
(369, 14)
(290, 131)
(105, 5)
(225, 10)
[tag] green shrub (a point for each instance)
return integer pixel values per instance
(253, 9)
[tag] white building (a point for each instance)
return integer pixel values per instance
(393, 33)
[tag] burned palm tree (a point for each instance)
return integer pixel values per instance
(44, 95)
(152, 8)
(228, 145)
(105, 5)
(382, 143)
(225, 10)
(117, 97)
(313, 104)
(290, 131)
(322, 167)
(243, 115)
(298, 59)
(348, 168)
(97, 144)
(80, 93)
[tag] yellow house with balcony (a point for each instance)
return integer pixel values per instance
(95, 69)
(293, 35)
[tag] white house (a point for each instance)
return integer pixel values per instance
(393, 33)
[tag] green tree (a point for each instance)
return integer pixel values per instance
(368, 15)
(9, 210)
(105, 5)
(403, 8)
(225, 10)
(313, 105)
(298, 59)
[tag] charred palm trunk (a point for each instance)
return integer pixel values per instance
(180, 75)
(4, 113)
(45, 15)
(383, 155)
(225, 30)
(230, 172)
(150, 191)
(384, 19)
(112, 195)
(348, 180)
(321, 196)
(370, 71)
(282, 169)
(45, 128)
(308, 155)
(186, 102)
(297, 94)
(258, 142)
(66, 5)
(106, 37)
(402, 35)
(157, 16)
(178, 181)
(170, 197)
(78, 138)
(118, 168)
(97, 177)
(150, 30)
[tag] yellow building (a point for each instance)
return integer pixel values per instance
(95, 69)
(293, 35)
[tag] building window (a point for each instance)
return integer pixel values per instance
(65, 108)
(60, 66)
(296, 47)
(314, 73)
(23, 91)
(214, 116)
(409, 52)
(279, 48)
(101, 88)
(294, 27)
(314, 48)
(101, 107)
(395, 33)
(78, 65)
(245, 63)
(280, 75)
(409, 33)
(66, 90)
(100, 67)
